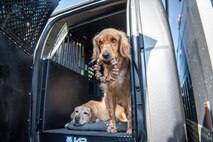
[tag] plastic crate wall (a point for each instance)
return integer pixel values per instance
(24, 21)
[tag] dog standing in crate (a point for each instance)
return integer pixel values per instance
(111, 51)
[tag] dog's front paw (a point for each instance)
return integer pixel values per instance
(66, 125)
(111, 129)
(129, 131)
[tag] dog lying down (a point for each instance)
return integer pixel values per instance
(93, 115)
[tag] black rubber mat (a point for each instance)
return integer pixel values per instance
(99, 126)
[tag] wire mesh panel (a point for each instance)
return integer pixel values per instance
(197, 133)
(206, 135)
(25, 20)
(71, 54)
(192, 131)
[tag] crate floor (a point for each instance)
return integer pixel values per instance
(65, 135)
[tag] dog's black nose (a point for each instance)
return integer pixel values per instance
(105, 55)
(77, 118)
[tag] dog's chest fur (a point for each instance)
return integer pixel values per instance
(119, 87)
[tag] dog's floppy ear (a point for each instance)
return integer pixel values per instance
(96, 50)
(124, 45)
(93, 110)
(93, 116)
(72, 115)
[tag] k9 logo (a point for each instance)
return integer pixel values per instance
(74, 139)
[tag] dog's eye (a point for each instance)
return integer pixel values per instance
(86, 113)
(76, 111)
(100, 42)
(113, 40)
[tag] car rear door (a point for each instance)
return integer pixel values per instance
(21, 24)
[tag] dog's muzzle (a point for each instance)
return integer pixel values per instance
(106, 55)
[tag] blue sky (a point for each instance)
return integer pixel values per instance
(67, 3)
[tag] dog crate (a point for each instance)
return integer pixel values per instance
(68, 76)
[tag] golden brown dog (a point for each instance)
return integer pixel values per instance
(107, 45)
(94, 111)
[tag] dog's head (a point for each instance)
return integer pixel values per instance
(110, 44)
(82, 115)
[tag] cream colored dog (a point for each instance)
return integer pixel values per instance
(94, 111)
